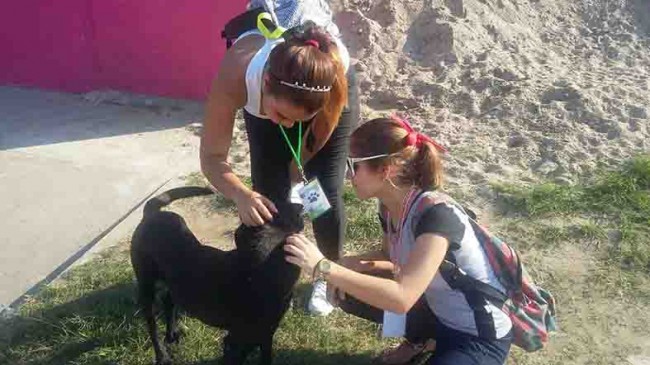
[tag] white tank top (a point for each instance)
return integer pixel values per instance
(255, 71)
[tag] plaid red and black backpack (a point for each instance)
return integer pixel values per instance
(530, 308)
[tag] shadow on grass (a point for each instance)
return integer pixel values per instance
(103, 327)
(303, 357)
(67, 332)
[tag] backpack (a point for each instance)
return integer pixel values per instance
(256, 18)
(530, 308)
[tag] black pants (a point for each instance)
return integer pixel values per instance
(452, 347)
(270, 158)
(419, 320)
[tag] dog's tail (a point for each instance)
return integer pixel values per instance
(156, 203)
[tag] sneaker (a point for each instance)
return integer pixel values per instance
(318, 303)
(405, 353)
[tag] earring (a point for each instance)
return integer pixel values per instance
(390, 181)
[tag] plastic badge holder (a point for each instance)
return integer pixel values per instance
(313, 199)
(394, 325)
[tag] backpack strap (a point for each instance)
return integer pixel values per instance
(416, 202)
(240, 24)
(458, 279)
(385, 215)
(455, 276)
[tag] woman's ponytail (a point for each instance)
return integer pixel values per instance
(416, 156)
(427, 169)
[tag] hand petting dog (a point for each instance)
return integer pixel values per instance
(302, 252)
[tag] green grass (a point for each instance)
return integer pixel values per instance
(590, 245)
(565, 234)
(616, 203)
(363, 231)
(90, 317)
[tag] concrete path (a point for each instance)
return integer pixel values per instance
(72, 166)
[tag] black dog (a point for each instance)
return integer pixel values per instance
(245, 291)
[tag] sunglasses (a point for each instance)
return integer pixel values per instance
(352, 162)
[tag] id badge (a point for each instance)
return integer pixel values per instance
(314, 199)
(294, 196)
(394, 325)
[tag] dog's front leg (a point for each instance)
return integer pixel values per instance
(266, 351)
(235, 351)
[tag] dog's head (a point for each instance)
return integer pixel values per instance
(255, 244)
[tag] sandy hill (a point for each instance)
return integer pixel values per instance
(517, 89)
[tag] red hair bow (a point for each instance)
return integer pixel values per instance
(312, 42)
(415, 138)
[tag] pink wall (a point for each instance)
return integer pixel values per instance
(161, 47)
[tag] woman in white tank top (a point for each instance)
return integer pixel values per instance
(300, 77)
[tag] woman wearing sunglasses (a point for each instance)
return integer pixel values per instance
(401, 285)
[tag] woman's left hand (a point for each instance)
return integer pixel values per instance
(302, 252)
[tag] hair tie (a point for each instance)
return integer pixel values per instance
(312, 42)
(415, 138)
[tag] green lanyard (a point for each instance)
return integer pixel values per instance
(296, 155)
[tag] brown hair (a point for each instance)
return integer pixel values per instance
(297, 60)
(419, 166)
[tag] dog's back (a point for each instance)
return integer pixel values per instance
(164, 249)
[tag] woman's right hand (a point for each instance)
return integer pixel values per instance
(254, 208)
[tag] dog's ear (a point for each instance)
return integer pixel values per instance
(289, 217)
(247, 236)
(254, 244)
(255, 248)
(272, 236)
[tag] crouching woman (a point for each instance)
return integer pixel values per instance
(401, 285)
